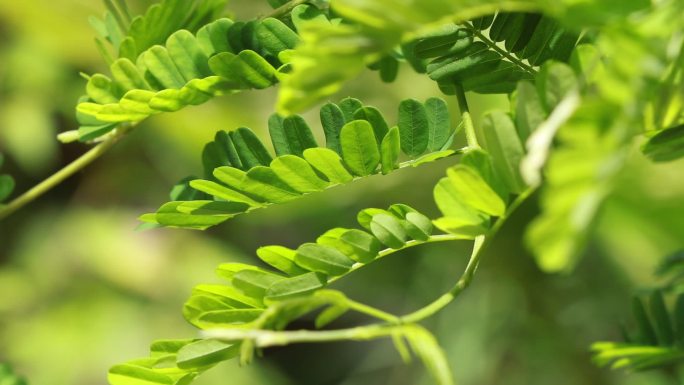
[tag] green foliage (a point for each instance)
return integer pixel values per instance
(8, 377)
(242, 175)
(222, 57)
(594, 134)
(258, 299)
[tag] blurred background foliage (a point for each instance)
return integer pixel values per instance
(81, 290)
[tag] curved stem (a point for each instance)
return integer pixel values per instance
(57, 178)
(525, 67)
(409, 244)
(264, 338)
(481, 244)
(467, 120)
(373, 312)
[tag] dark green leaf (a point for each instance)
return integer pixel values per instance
(388, 230)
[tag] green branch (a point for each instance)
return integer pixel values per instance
(480, 246)
(57, 178)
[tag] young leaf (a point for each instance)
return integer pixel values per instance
(359, 148)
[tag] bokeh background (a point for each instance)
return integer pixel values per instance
(81, 290)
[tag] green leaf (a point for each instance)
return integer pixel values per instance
(222, 192)
(322, 259)
(128, 374)
(413, 127)
(264, 183)
(188, 56)
(229, 318)
(418, 226)
(281, 258)
(296, 286)
(254, 283)
(162, 348)
(459, 217)
(332, 120)
(373, 116)
(169, 215)
(390, 149)
(349, 106)
(474, 191)
(298, 174)
(425, 346)
(275, 36)
(665, 146)
(250, 149)
(554, 82)
(529, 111)
(359, 148)
(328, 163)
(439, 124)
(365, 216)
(388, 230)
(504, 145)
(364, 247)
(292, 137)
(205, 352)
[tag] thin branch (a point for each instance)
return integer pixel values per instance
(57, 178)
(286, 8)
(512, 58)
(265, 338)
(481, 244)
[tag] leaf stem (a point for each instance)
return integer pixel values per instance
(373, 312)
(525, 67)
(286, 8)
(411, 243)
(57, 178)
(481, 244)
(265, 338)
(468, 127)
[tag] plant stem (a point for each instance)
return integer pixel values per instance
(57, 178)
(481, 244)
(373, 312)
(411, 243)
(264, 338)
(525, 67)
(286, 8)
(468, 127)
